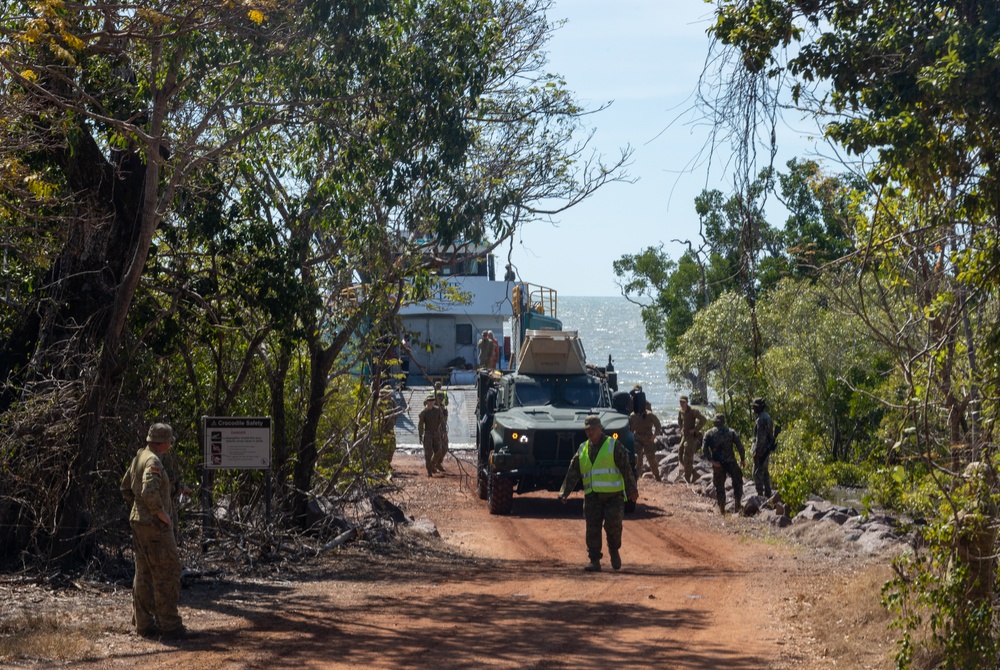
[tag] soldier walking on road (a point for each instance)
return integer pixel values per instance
(157, 584)
(721, 443)
(691, 421)
(645, 426)
(429, 431)
(602, 463)
(763, 445)
(441, 400)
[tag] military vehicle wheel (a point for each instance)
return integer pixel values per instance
(482, 485)
(499, 494)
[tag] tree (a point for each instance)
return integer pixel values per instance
(225, 185)
(910, 87)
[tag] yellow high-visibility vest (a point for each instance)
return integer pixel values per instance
(602, 475)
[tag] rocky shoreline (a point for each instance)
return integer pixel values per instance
(818, 522)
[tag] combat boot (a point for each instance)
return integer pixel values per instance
(616, 559)
(593, 566)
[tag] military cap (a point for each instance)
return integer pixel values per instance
(160, 432)
(719, 418)
(683, 398)
(429, 398)
(758, 403)
(592, 420)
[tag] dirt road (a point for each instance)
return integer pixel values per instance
(696, 591)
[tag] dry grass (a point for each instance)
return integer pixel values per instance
(55, 636)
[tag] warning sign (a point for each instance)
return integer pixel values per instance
(237, 443)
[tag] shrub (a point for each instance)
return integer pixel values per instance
(798, 469)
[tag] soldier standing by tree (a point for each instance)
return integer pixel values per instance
(157, 584)
(691, 422)
(602, 463)
(763, 445)
(721, 443)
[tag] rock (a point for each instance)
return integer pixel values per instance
(387, 510)
(752, 505)
(781, 521)
(836, 517)
(425, 526)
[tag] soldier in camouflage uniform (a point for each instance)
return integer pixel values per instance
(691, 421)
(763, 445)
(429, 431)
(645, 426)
(156, 588)
(721, 443)
(602, 463)
(441, 400)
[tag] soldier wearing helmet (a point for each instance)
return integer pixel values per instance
(721, 445)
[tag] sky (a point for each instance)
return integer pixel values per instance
(645, 58)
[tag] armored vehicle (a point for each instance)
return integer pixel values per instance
(530, 421)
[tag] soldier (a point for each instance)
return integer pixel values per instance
(179, 491)
(763, 445)
(720, 442)
(645, 426)
(441, 400)
(602, 463)
(691, 421)
(157, 584)
(429, 431)
(484, 350)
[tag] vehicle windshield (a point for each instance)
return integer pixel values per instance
(582, 391)
(530, 393)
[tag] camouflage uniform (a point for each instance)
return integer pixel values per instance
(441, 400)
(484, 349)
(429, 430)
(645, 427)
(157, 583)
(721, 443)
(602, 508)
(177, 487)
(691, 421)
(763, 438)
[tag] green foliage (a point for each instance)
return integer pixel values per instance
(885, 487)
(852, 475)
(798, 468)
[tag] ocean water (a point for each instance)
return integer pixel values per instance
(613, 326)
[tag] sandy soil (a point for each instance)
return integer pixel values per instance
(696, 591)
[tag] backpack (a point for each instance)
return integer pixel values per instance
(638, 402)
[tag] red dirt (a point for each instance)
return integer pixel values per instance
(696, 591)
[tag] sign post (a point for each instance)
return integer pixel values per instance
(239, 443)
